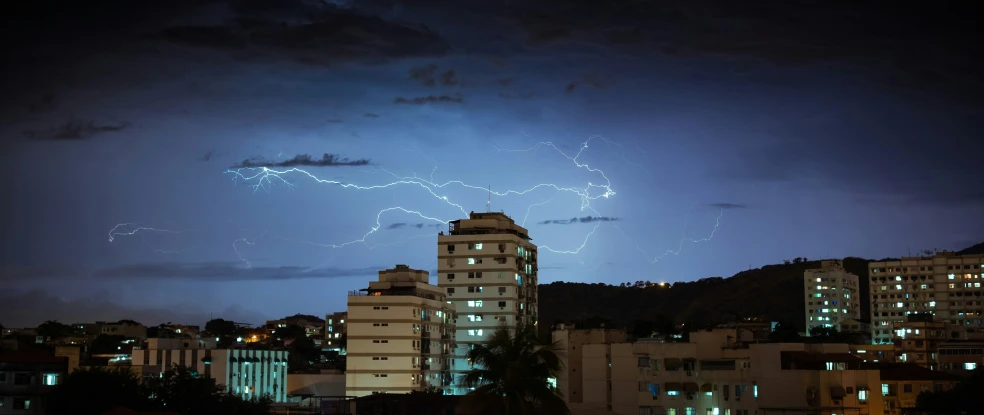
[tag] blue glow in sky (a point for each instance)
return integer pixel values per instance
(704, 157)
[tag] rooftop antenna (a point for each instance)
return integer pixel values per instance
(488, 204)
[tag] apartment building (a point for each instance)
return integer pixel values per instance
(487, 266)
(901, 384)
(26, 377)
(125, 328)
(677, 379)
(831, 296)
(570, 343)
(335, 332)
(245, 373)
(961, 357)
(400, 335)
(946, 285)
(313, 326)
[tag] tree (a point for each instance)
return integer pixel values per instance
(221, 328)
(52, 329)
(106, 344)
(511, 373)
(97, 390)
(964, 398)
(785, 332)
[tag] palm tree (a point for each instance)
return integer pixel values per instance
(510, 374)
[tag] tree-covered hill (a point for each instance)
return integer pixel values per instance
(773, 292)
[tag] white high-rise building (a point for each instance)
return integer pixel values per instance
(245, 373)
(487, 267)
(831, 295)
(945, 285)
(400, 335)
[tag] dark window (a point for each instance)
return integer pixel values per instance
(22, 379)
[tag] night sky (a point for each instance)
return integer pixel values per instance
(719, 136)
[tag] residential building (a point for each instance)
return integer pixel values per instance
(400, 335)
(487, 266)
(855, 331)
(678, 379)
(961, 357)
(313, 326)
(902, 383)
(831, 296)
(25, 379)
(242, 372)
(335, 332)
(874, 353)
(125, 328)
(945, 285)
(570, 342)
(917, 340)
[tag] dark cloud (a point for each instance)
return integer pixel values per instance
(326, 160)
(523, 96)
(429, 76)
(850, 152)
(727, 206)
(309, 33)
(75, 130)
(336, 121)
(431, 99)
(226, 271)
(45, 103)
(506, 82)
(200, 271)
(209, 155)
(370, 115)
(424, 75)
(597, 81)
(34, 307)
(586, 219)
(402, 225)
(904, 45)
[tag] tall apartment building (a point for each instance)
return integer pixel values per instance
(487, 266)
(946, 285)
(400, 335)
(335, 332)
(244, 373)
(831, 296)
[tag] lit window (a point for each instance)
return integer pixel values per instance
(970, 366)
(474, 317)
(884, 389)
(50, 379)
(474, 303)
(862, 395)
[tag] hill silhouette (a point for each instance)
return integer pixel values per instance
(772, 293)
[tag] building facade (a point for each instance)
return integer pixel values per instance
(831, 296)
(570, 343)
(487, 266)
(400, 335)
(946, 285)
(335, 332)
(26, 377)
(245, 373)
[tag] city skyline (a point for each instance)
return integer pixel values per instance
(759, 154)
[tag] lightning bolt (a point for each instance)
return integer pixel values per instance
(682, 242)
(129, 229)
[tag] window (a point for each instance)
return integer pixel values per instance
(502, 290)
(450, 290)
(970, 366)
(475, 247)
(862, 395)
(51, 379)
(907, 388)
(474, 289)
(22, 403)
(475, 332)
(884, 389)
(502, 303)
(474, 261)
(474, 303)
(22, 379)
(474, 317)
(379, 375)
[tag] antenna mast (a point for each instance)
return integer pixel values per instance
(488, 204)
